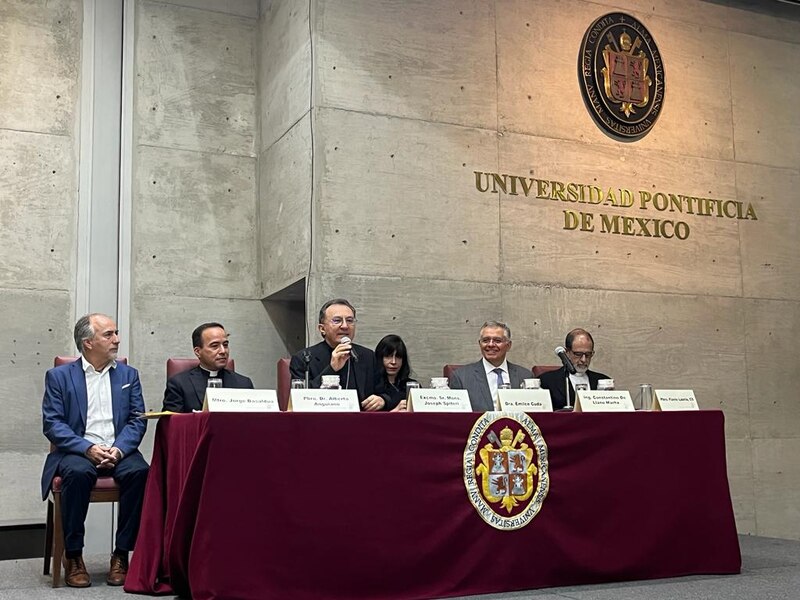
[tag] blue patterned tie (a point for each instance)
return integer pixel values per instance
(500, 381)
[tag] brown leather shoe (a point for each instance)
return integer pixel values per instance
(118, 570)
(75, 574)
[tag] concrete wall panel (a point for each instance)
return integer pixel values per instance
(37, 328)
(773, 328)
(38, 197)
(162, 328)
(432, 61)
(194, 224)
(284, 76)
(195, 79)
(537, 248)
(40, 42)
(765, 86)
(439, 320)
(770, 253)
(740, 479)
(777, 479)
(539, 91)
(284, 208)
(397, 198)
(242, 8)
(666, 340)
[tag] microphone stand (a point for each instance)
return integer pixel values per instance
(566, 390)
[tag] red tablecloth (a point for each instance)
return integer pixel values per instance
(353, 506)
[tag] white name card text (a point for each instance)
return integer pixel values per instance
(675, 400)
(603, 401)
(238, 400)
(323, 401)
(525, 400)
(429, 400)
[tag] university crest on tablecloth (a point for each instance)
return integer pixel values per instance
(505, 469)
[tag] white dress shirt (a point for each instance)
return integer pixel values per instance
(491, 378)
(578, 378)
(99, 411)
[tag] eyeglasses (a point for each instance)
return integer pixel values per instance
(488, 340)
(580, 355)
(339, 320)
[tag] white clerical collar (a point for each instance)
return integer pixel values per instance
(210, 373)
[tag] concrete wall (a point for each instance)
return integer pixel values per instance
(412, 97)
(194, 223)
(39, 93)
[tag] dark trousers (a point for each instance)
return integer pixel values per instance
(78, 477)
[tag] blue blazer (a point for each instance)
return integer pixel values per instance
(64, 409)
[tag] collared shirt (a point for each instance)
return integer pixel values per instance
(99, 411)
(491, 377)
(210, 373)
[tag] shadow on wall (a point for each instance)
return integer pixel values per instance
(287, 311)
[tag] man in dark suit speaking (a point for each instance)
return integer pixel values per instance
(483, 378)
(90, 414)
(336, 354)
(580, 349)
(185, 391)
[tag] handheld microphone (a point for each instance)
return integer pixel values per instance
(347, 340)
(561, 353)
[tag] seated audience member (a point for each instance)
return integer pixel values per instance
(90, 413)
(580, 349)
(483, 378)
(355, 365)
(186, 390)
(395, 370)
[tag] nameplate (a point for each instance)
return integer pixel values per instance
(675, 400)
(323, 401)
(525, 400)
(238, 400)
(603, 401)
(428, 400)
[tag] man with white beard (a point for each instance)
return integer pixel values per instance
(580, 349)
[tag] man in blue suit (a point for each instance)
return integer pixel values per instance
(90, 414)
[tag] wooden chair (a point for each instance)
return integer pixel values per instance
(105, 490)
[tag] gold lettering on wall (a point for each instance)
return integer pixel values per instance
(673, 204)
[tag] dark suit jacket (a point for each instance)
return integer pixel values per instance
(64, 408)
(472, 377)
(186, 390)
(554, 381)
(361, 375)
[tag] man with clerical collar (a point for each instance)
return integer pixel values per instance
(482, 379)
(186, 390)
(90, 414)
(580, 349)
(336, 354)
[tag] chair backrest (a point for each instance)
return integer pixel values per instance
(179, 365)
(284, 382)
(63, 360)
(447, 370)
(541, 369)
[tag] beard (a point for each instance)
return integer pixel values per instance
(581, 370)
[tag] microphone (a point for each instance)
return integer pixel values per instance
(562, 354)
(347, 340)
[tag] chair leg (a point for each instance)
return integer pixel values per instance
(48, 537)
(58, 540)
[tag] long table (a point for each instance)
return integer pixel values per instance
(352, 506)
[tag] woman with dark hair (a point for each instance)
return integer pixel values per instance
(395, 370)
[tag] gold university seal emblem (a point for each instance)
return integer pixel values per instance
(505, 469)
(622, 76)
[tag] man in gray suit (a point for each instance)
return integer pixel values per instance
(483, 378)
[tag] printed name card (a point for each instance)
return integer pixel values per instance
(427, 400)
(605, 401)
(675, 400)
(525, 400)
(323, 401)
(236, 400)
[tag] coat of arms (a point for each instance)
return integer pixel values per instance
(505, 469)
(621, 74)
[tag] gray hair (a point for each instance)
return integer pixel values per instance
(84, 330)
(499, 324)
